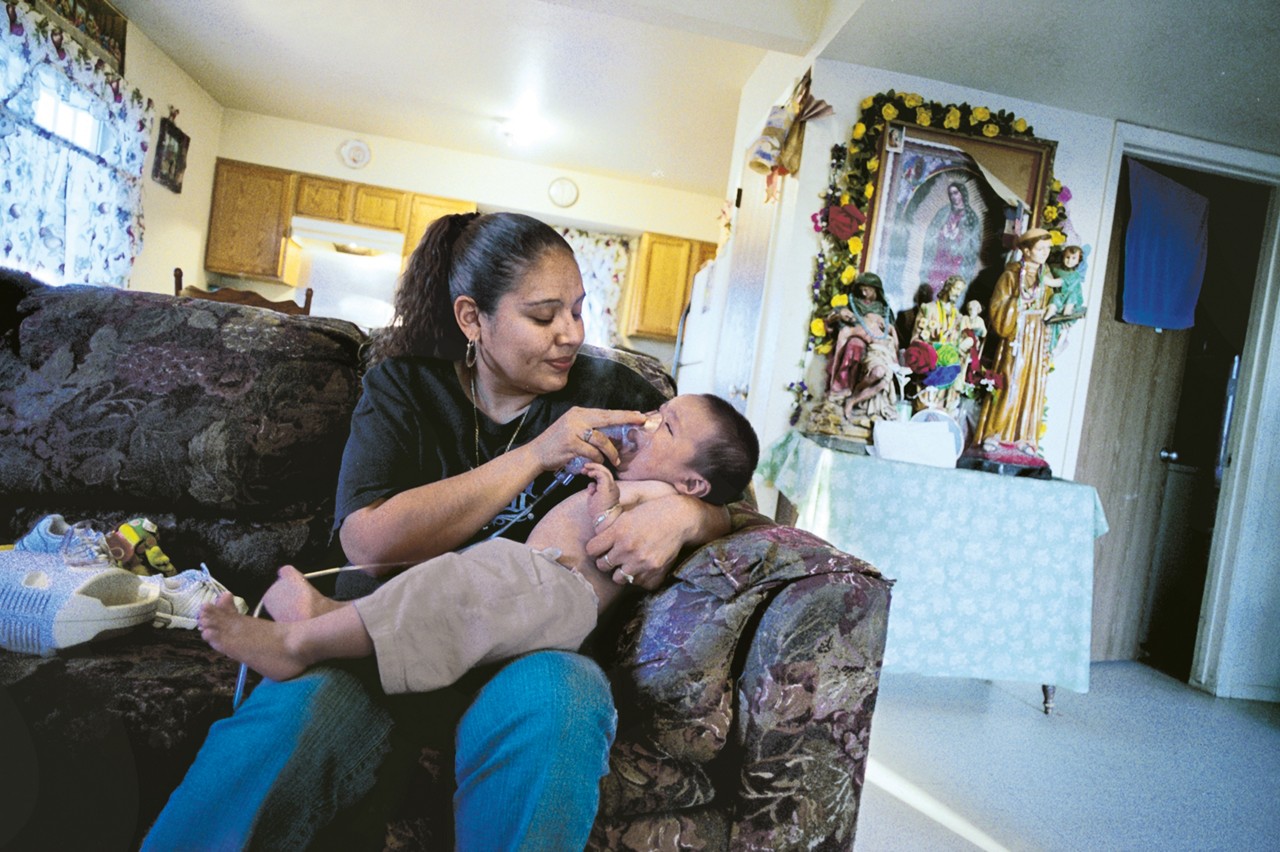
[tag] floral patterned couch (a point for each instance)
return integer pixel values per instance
(745, 687)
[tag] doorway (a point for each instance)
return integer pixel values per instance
(1154, 433)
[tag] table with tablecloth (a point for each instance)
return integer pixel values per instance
(994, 573)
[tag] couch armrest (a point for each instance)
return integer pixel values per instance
(805, 699)
(684, 728)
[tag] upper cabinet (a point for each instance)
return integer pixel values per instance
(249, 221)
(425, 209)
(323, 198)
(253, 206)
(380, 208)
(661, 281)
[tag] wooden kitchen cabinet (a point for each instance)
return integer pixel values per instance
(660, 283)
(249, 222)
(425, 209)
(379, 207)
(253, 206)
(323, 198)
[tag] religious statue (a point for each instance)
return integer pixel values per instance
(861, 372)
(973, 331)
(1012, 416)
(940, 373)
(1067, 305)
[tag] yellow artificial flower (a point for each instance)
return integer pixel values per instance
(1057, 237)
(818, 328)
(912, 101)
(1056, 185)
(859, 130)
(890, 112)
(873, 164)
(1050, 212)
(870, 190)
(844, 198)
(846, 277)
(923, 117)
(868, 101)
(840, 300)
(990, 130)
(952, 121)
(1020, 125)
(855, 242)
(979, 114)
(824, 348)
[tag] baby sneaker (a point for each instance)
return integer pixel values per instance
(182, 595)
(46, 536)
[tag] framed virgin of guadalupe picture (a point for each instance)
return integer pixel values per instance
(949, 205)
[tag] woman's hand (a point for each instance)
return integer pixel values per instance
(644, 541)
(575, 434)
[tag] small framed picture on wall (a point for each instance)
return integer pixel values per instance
(171, 156)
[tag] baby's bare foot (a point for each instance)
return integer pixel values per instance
(261, 645)
(293, 598)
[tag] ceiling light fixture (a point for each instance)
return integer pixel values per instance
(523, 130)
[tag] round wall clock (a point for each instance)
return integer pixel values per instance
(355, 153)
(563, 192)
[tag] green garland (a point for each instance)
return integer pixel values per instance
(855, 176)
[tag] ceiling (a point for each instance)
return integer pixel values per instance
(648, 90)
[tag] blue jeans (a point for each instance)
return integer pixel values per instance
(530, 752)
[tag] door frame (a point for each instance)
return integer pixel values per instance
(1255, 470)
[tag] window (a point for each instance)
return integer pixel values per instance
(73, 123)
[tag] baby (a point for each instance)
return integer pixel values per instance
(496, 599)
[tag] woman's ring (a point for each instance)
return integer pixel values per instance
(607, 562)
(586, 435)
(630, 579)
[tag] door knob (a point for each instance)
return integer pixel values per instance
(1169, 455)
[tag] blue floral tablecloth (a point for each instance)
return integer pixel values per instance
(994, 574)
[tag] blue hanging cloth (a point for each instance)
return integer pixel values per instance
(1166, 246)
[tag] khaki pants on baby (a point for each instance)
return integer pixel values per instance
(493, 601)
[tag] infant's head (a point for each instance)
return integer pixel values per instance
(973, 308)
(702, 446)
(1071, 257)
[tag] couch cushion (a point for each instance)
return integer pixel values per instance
(193, 406)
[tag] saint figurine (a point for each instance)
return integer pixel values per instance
(1067, 304)
(1012, 415)
(861, 370)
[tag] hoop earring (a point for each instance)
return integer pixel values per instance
(470, 358)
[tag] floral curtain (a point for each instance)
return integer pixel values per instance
(602, 259)
(67, 215)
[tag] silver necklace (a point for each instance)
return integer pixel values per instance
(475, 419)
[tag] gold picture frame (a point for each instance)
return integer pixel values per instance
(950, 204)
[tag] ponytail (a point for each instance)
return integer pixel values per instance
(466, 254)
(423, 322)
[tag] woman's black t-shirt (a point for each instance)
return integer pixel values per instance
(414, 425)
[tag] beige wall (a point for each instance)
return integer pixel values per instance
(175, 222)
(604, 203)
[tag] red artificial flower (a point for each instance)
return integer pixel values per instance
(844, 221)
(920, 358)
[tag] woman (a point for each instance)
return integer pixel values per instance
(1012, 416)
(478, 398)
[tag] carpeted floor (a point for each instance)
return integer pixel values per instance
(1142, 762)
